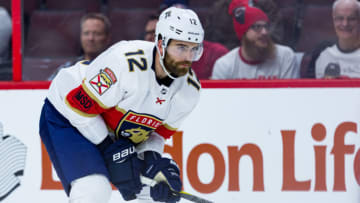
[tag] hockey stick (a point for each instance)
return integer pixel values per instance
(182, 194)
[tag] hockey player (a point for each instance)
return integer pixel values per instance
(106, 121)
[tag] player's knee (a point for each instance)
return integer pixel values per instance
(90, 189)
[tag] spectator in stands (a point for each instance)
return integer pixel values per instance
(5, 35)
(212, 50)
(258, 57)
(271, 9)
(342, 60)
(94, 38)
(150, 26)
(220, 31)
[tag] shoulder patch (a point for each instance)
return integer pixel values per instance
(103, 80)
(111, 75)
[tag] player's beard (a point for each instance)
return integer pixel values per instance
(173, 67)
(256, 52)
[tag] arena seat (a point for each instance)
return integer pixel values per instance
(319, 2)
(29, 5)
(87, 5)
(203, 14)
(286, 3)
(315, 29)
(41, 68)
(128, 24)
(288, 20)
(201, 3)
(54, 34)
(6, 4)
(6, 70)
(126, 4)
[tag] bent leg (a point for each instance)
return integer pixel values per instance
(90, 189)
(72, 155)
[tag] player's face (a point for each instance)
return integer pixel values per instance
(94, 39)
(179, 56)
(346, 21)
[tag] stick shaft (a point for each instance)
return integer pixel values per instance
(150, 182)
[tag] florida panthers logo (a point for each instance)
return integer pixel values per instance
(137, 127)
(136, 135)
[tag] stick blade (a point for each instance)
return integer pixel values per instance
(193, 198)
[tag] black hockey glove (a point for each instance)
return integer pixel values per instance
(123, 165)
(166, 172)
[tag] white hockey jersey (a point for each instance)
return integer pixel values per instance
(334, 63)
(232, 66)
(118, 92)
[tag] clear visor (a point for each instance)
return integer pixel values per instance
(188, 53)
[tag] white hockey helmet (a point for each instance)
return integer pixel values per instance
(179, 24)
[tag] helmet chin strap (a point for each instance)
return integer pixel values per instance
(162, 63)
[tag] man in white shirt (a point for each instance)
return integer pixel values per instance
(342, 60)
(258, 57)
